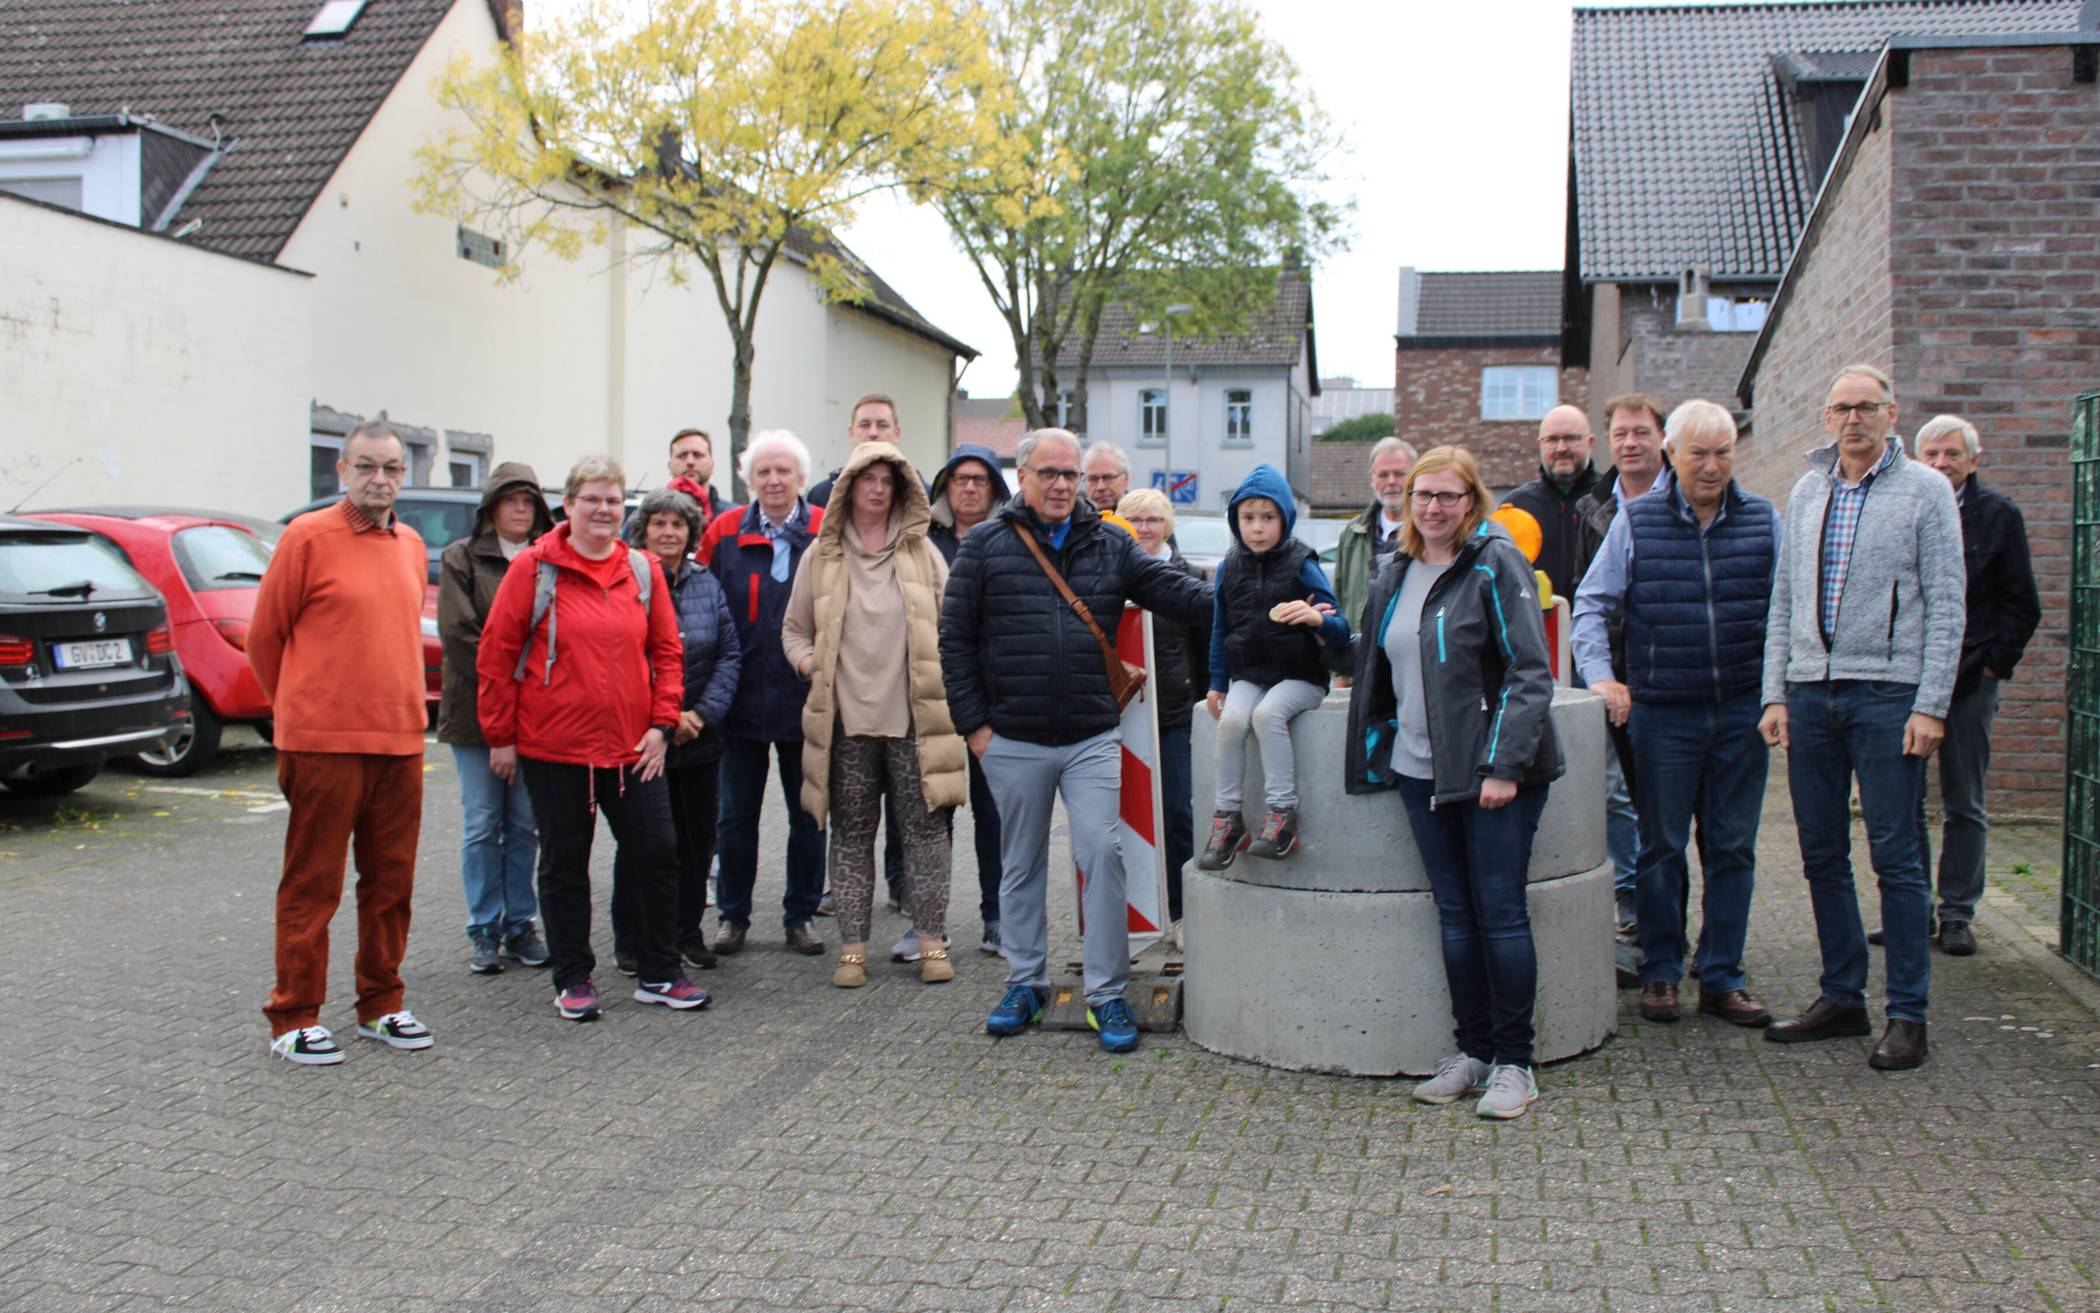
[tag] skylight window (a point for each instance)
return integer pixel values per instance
(335, 17)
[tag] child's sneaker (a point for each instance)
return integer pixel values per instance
(1279, 836)
(1228, 835)
(398, 1030)
(309, 1046)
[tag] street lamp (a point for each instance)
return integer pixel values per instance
(1166, 399)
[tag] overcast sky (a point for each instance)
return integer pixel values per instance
(1454, 123)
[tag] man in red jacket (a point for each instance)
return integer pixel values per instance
(582, 676)
(336, 641)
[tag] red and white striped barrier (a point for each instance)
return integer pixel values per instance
(1141, 827)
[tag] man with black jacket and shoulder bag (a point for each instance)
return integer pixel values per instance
(1029, 690)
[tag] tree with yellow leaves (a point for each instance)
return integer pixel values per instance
(733, 133)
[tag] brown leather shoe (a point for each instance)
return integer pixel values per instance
(801, 939)
(1659, 1001)
(1902, 1046)
(1823, 1020)
(1736, 1007)
(729, 939)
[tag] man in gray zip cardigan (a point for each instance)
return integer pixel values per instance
(1860, 657)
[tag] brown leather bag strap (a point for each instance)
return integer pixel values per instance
(1079, 608)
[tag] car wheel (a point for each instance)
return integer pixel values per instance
(191, 750)
(266, 730)
(51, 783)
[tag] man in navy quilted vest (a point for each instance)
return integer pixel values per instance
(1689, 567)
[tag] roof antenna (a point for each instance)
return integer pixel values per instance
(216, 121)
(41, 486)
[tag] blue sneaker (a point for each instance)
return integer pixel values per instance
(1118, 1027)
(1018, 1008)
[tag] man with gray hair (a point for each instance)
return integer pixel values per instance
(1865, 642)
(1028, 688)
(1689, 570)
(336, 642)
(1369, 538)
(1107, 471)
(2003, 610)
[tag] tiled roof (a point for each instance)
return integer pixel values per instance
(1002, 435)
(1275, 337)
(291, 108)
(1519, 303)
(1685, 153)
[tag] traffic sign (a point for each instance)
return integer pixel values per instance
(1179, 485)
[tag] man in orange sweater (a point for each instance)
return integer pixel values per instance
(337, 643)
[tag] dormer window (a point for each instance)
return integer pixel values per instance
(335, 17)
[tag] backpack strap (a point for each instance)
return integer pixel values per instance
(644, 577)
(542, 609)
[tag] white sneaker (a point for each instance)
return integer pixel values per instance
(309, 1046)
(1510, 1092)
(907, 948)
(1455, 1077)
(398, 1030)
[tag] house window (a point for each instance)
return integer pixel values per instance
(325, 451)
(1239, 415)
(1152, 415)
(1728, 315)
(465, 467)
(64, 192)
(1518, 391)
(1066, 412)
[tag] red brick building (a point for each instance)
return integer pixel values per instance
(1956, 244)
(1477, 362)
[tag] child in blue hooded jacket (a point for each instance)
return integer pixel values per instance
(1271, 646)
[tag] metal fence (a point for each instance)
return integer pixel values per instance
(2081, 897)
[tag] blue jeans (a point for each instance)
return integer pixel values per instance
(499, 849)
(743, 796)
(1477, 862)
(1622, 838)
(1703, 762)
(1176, 800)
(1837, 730)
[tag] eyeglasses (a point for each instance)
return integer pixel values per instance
(365, 469)
(970, 480)
(1093, 479)
(595, 503)
(1049, 475)
(1142, 520)
(1447, 500)
(1863, 409)
(1564, 439)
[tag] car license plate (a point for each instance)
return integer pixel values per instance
(82, 656)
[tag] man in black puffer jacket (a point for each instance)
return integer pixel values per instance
(1028, 689)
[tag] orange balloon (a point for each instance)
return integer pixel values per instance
(1522, 527)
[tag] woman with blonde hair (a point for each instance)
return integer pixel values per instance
(1451, 706)
(862, 626)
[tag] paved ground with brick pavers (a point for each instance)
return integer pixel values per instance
(800, 1147)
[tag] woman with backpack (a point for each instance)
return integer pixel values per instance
(582, 681)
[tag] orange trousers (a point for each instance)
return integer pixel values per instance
(342, 802)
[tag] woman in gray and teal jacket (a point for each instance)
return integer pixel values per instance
(1452, 706)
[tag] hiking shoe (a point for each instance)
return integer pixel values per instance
(1228, 836)
(677, 992)
(990, 942)
(1019, 1007)
(579, 1002)
(488, 955)
(625, 961)
(526, 948)
(1510, 1092)
(1456, 1077)
(398, 1030)
(693, 948)
(802, 938)
(1118, 1028)
(729, 938)
(309, 1046)
(1279, 836)
(1956, 939)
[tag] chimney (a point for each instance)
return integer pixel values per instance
(1691, 301)
(1410, 300)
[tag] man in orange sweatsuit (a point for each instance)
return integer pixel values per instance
(337, 643)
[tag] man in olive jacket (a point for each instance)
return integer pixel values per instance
(1029, 691)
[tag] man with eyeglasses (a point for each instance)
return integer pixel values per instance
(337, 643)
(1565, 478)
(1373, 535)
(1029, 690)
(1861, 651)
(966, 491)
(1107, 472)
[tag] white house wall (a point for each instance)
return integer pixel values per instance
(867, 355)
(166, 373)
(1196, 425)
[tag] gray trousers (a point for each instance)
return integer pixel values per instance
(1267, 709)
(1026, 779)
(1965, 762)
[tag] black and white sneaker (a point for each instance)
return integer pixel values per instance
(398, 1030)
(309, 1046)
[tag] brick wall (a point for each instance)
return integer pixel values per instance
(1436, 399)
(1982, 290)
(1678, 364)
